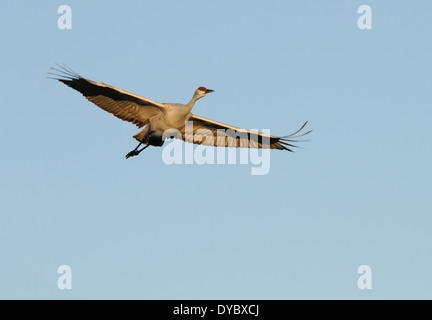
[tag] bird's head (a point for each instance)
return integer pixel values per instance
(201, 92)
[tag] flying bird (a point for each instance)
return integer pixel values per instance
(170, 120)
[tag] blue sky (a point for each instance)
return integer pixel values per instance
(359, 193)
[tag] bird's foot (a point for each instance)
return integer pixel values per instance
(132, 153)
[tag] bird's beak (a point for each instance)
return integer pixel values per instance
(209, 90)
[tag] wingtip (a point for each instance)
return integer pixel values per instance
(293, 135)
(63, 73)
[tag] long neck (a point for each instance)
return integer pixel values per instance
(191, 103)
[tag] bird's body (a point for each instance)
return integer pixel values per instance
(174, 117)
(169, 120)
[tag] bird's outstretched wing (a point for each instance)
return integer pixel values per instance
(212, 133)
(124, 105)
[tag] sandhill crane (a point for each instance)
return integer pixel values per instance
(159, 118)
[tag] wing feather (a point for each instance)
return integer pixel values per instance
(212, 133)
(122, 104)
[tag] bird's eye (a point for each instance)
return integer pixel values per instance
(202, 89)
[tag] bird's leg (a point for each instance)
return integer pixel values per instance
(135, 151)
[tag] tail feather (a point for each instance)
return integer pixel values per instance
(141, 135)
